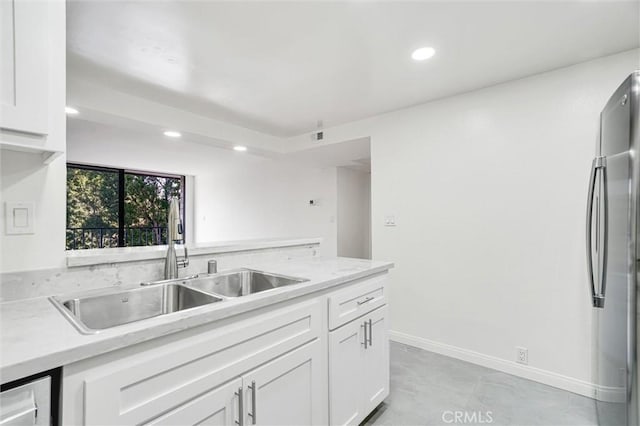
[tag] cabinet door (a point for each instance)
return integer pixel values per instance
(286, 391)
(376, 360)
(218, 407)
(346, 347)
(24, 65)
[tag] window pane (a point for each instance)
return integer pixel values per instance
(94, 197)
(92, 208)
(147, 207)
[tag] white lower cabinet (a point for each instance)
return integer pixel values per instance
(194, 377)
(358, 367)
(279, 366)
(282, 392)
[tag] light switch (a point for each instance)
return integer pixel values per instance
(389, 221)
(19, 218)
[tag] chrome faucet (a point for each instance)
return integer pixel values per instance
(174, 235)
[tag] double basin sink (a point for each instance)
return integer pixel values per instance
(92, 313)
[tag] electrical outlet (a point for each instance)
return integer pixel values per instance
(522, 355)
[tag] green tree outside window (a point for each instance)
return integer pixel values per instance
(102, 214)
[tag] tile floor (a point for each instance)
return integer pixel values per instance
(426, 386)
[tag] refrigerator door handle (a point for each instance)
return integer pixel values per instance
(597, 295)
(604, 243)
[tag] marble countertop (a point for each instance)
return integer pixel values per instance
(35, 336)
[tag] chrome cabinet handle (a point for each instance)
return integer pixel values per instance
(367, 300)
(597, 164)
(253, 402)
(370, 332)
(240, 421)
(364, 340)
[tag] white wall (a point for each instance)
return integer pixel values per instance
(354, 213)
(488, 189)
(23, 177)
(237, 195)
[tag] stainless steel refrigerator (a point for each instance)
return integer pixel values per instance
(612, 255)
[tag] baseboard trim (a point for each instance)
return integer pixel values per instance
(556, 380)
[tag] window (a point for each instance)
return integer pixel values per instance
(108, 207)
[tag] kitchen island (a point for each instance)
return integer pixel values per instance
(247, 353)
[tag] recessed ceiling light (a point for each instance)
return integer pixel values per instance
(240, 148)
(423, 53)
(70, 110)
(172, 134)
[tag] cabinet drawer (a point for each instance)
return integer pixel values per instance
(137, 388)
(356, 300)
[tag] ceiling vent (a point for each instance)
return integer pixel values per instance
(317, 136)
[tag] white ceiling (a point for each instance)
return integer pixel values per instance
(354, 154)
(103, 129)
(279, 67)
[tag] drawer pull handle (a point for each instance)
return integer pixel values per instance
(367, 300)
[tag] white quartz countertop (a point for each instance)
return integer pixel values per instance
(35, 336)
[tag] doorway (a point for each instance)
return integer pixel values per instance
(354, 210)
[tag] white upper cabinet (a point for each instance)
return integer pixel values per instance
(24, 66)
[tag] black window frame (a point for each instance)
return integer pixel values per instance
(121, 193)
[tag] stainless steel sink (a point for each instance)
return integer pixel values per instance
(92, 313)
(241, 282)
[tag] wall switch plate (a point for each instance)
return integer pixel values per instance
(522, 355)
(389, 221)
(19, 218)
